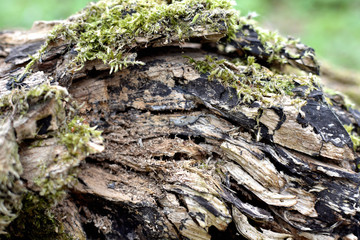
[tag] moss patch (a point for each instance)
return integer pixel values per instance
(355, 138)
(19, 101)
(252, 81)
(31, 208)
(80, 140)
(112, 30)
(36, 221)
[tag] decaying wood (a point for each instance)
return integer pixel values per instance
(183, 160)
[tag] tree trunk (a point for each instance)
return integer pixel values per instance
(183, 158)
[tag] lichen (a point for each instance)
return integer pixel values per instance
(252, 81)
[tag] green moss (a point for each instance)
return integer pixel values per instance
(276, 45)
(111, 30)
(36, 221)
(355, 138)
(55, 175)
(19, 100)
(252, 81)
(273, 47)
(76, 136)
(80, 140)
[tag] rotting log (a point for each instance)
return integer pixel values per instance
(183, 156)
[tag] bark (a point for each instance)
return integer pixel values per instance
(182, 158)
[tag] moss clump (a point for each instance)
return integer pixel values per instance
(14, 107)
(252, 81)
(69, 133)
(80, 140)
(281, 49)
(36, 221)
(355, 138)
(111, 30)
(19, 101)
(77, 135)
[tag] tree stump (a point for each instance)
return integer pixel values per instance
(214, 135)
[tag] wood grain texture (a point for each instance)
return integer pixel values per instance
(183, 159)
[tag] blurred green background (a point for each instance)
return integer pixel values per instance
(331, 27)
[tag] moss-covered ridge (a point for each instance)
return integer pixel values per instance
(114, 30)
(272, 49)
(254, 82)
